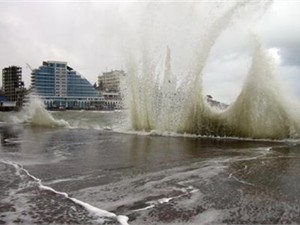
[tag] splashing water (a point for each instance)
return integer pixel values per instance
(36, 115)
(260, 110)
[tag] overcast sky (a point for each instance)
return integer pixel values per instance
(94, 37)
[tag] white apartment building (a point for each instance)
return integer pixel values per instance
(110, 81)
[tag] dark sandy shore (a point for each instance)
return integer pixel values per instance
(150, 179)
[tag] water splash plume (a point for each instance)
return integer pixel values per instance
(157, 101)
(261, 109)
(35, 114)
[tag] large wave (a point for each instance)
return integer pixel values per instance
(35, 114)
(260, 110)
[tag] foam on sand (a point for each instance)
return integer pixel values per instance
(98, 214)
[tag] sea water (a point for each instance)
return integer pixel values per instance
(169, 157)
(95, 175)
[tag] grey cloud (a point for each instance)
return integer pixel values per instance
(290, 55)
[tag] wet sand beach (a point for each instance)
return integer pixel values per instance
(149, 179)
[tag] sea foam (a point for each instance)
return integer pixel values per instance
(95, 212)
(35, 114)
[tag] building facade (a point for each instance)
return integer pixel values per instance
(60, 87)
(110, 81)
(12, 85)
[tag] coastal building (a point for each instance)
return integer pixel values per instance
(113, 100)
(110, 81)
(109, 87)
(12, 86)
(216, 104)
(61, 87)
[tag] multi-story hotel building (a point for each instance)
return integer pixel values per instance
(13, 86)
(60, 86)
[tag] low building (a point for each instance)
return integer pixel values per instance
(216, 104)
(112, 100)
(7, 105)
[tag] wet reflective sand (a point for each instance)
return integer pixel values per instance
(150, 179)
